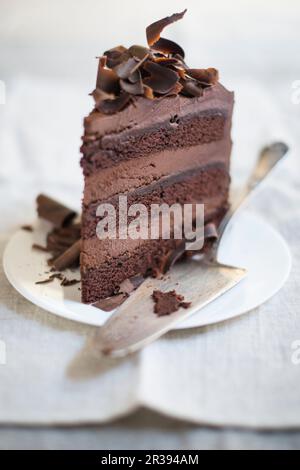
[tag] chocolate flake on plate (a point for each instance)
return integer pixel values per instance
(166, 303)
(69, 282)
(68, 258)
(36, 246)
(27, 228)
(53, 211)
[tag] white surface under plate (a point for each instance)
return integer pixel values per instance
(249, 242)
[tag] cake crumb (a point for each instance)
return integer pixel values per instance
(166, 303)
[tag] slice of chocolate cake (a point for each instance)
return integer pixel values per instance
(159, 133)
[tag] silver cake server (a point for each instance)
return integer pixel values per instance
(134, 324)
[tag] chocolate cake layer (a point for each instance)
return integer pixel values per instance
(127, 176)
(152, 126)
(208, 184)
(124, 259)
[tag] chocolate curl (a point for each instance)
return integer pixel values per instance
(153, 30)
(191, 88)
(100, 95)
(210, 231)
(139, 52)
(54, 212)
(208, 76)
(116, 55)
(168, 47)
(67, 259)
(107, 79)
(162, 79)
(110, 303)
(113, 106)
(132, 88)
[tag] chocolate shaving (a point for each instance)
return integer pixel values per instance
(113, 106)
(38, 247)
(110, 303)
(132, 88)
(208, 76)
(125, 69)
(210, 231)
(115, 56)
(27, 228)
(177, 88)
(53, 211)
(139, 52)
(153, 30)
(162, 79)
(107, 79)
(67, 259)
(191, 88)
(151, 72)
(166, 303)
(168, 47)
(44, 281)
(100, 95)
(69, 282)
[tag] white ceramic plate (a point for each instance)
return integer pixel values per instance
(249, 242)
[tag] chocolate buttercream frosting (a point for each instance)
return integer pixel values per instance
(153, 71)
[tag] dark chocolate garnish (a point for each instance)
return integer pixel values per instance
(140, 52)
(132, 88)
(113, 106)
(36, 246)
(168, 47)
(107, 79)
(210, 231)
(100, 95)
(110, 303)
(153, 30)
(129, 72)
(166, 303)
(162, 79)
(208, 76)
(54, 212)
(27, 228)
(125, 69)
(116, 55)
(45, 281)
(68, 258)
(69, 282)
(191, 88)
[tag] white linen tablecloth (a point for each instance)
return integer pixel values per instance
(238, 372)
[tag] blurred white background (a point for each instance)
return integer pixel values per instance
(61, 37)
